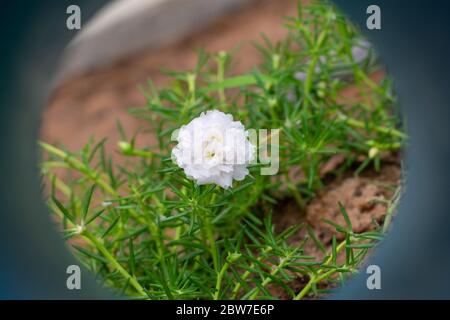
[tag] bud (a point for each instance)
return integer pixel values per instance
(276, 61)
(222, 55)
(233, 257)
(268, 85)
(125, 146)
(373, 152)
(322, 85)
(272, 102)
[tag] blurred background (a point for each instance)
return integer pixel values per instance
(99, 76)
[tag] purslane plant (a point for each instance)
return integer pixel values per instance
(154, 227)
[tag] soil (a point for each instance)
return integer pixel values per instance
(365, 199)
(89, 104)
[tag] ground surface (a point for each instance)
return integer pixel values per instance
(89, 104)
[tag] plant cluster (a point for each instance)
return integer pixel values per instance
(149, 232)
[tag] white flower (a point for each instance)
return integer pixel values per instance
(213, 148)
(361, 51)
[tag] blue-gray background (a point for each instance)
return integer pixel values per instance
(414, 44)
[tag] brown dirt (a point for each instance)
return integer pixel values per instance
(364, 198)
(89, 104)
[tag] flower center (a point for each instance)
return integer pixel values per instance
(210, 154)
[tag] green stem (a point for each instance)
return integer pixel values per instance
(391, 208)
(219, 279)
(313, 280)
(246, 274)
(312, 65)
(78, 165)
(139, 153)
(268, 280)
(210, 234)
(221, 59)
(212, 242)
(88, 172)
(318, 277)
(100, 247)
(369, 82)
(360, 124)
(235, 82)
(297, 196)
